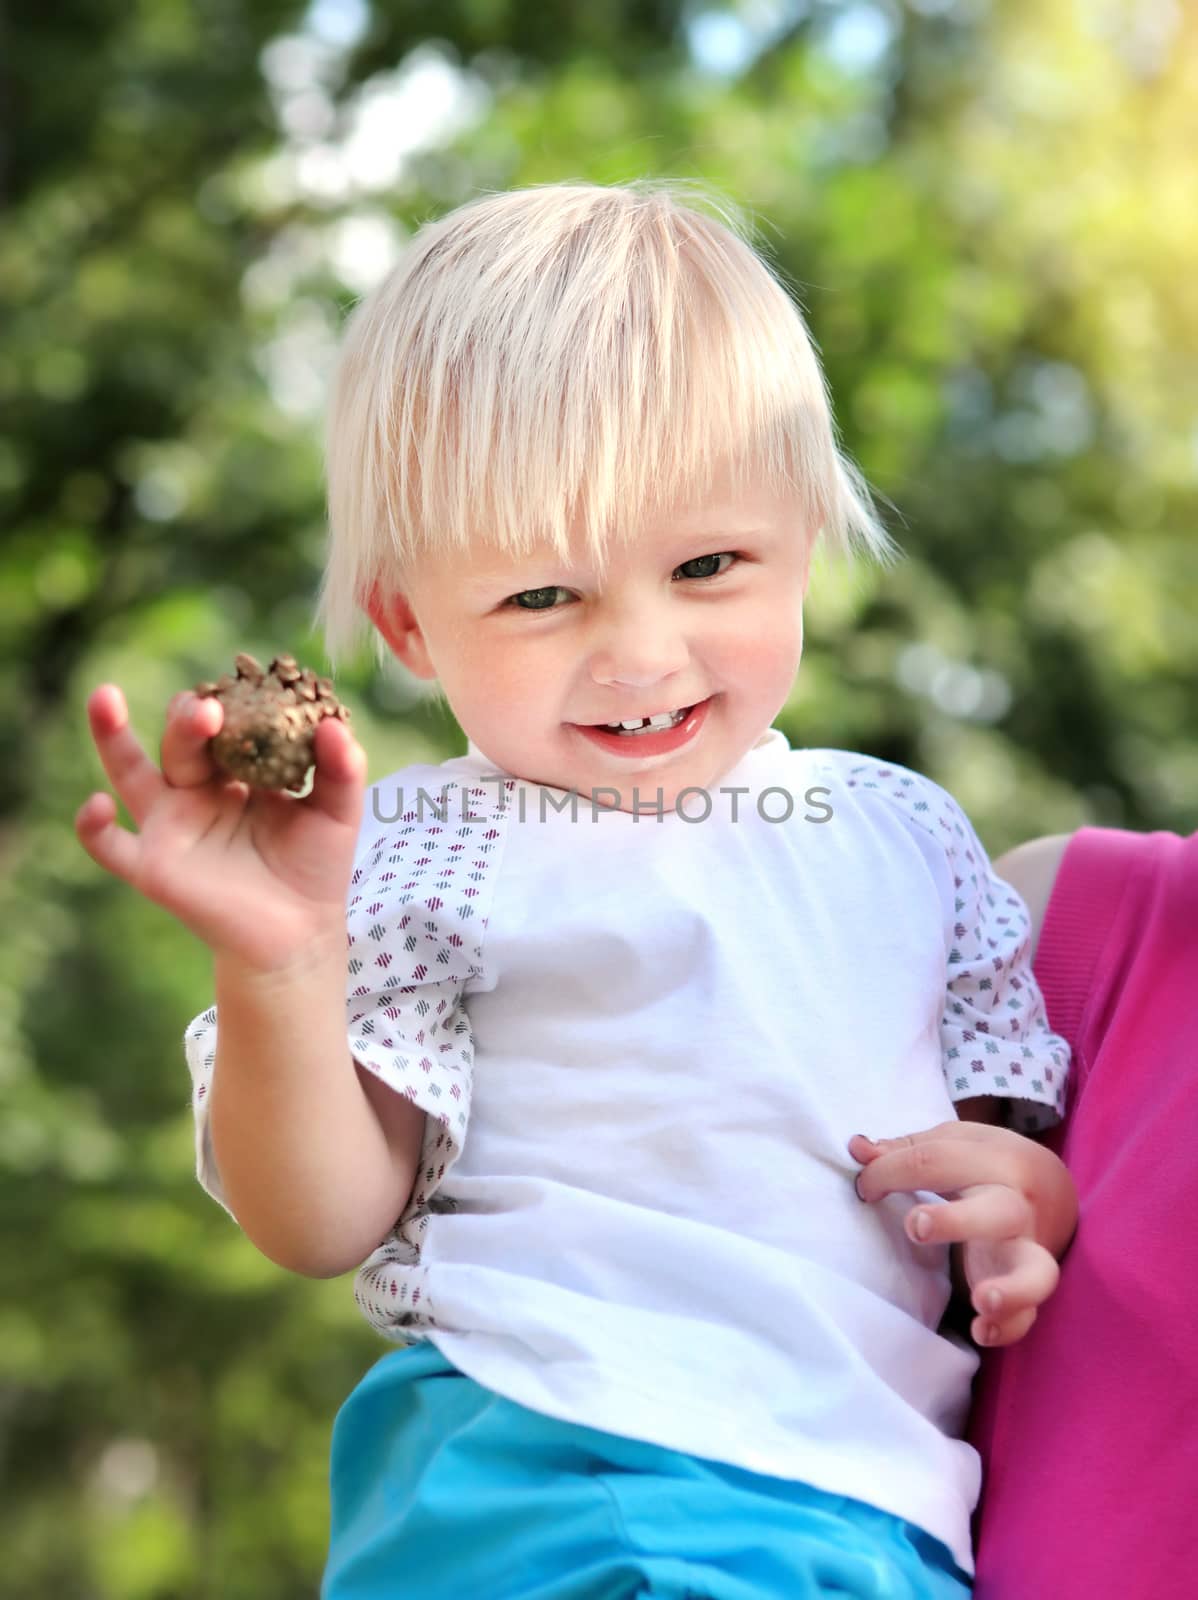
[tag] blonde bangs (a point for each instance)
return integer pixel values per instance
(555, 364)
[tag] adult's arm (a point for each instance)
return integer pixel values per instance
(1031, 868)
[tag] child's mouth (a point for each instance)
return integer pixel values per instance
(654, 724)
(646, 737)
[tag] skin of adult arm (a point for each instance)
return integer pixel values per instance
(1031, 868)
(316, 1156)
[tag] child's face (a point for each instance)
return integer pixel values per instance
(702, 612)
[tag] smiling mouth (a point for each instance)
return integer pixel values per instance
(658, 723)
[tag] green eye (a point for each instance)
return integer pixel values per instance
(705, 566)
(536, 599)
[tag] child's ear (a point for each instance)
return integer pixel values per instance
(393, 616)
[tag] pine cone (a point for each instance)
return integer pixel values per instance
(270, 722)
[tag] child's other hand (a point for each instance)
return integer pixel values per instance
(1014, 1212)
(259, 876)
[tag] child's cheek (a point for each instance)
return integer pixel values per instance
(768, 658)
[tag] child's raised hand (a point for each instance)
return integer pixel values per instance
(260, 876)
(1014, 1212)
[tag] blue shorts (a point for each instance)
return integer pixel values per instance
(443, 1490)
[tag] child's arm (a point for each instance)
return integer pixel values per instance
(316, 1163)
(1014, 1213)
(316, 1157)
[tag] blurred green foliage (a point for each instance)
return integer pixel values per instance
(987, 212)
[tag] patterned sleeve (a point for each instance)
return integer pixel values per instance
(199, 1047)
(994, 1033)
(414, 925)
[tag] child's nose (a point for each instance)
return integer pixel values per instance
(638, 658)
(631, 679)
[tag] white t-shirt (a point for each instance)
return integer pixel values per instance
(643, 1042)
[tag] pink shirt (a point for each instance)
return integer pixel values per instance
(1089, 1427)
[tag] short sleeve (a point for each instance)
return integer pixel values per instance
(995, 1036)
(199, 1048)
(414, 921)
(411, 955)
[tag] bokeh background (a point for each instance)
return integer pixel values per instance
(989, 212)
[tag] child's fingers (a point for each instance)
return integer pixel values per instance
(939, 1166)
(994, 1212)
(132, 774)
(191, 720)
(864, 1150)
(106, 842)
(340, 777)
(974, 1133)
(1029, 1281)
(994, 1334)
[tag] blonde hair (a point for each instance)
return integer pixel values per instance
(569, 356)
